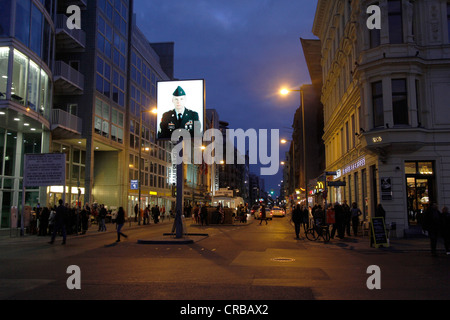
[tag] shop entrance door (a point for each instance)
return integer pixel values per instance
(420, 194)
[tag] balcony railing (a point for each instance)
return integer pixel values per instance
(74, 37)
(73, 81)
(65, 120)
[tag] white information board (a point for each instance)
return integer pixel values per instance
(46, 169)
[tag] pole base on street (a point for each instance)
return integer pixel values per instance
(168, 238)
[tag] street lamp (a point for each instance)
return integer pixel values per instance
(286, 92)
(284, 141)
(153, 111)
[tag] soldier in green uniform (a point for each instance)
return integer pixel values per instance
(178, 118)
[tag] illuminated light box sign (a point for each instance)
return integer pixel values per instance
(360, 163)
(180, 105)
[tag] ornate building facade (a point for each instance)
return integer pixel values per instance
(386, 111)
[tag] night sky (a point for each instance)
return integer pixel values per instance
(246, 50)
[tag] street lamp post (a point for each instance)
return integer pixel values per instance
(284, 141)
(154, 111)
(285, 92)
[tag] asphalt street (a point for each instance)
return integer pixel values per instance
(250, 262)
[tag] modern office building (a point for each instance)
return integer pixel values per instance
(83, 92)
(385, 93)
(108, 89)
(27, 36)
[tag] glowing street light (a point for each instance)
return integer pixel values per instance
(284, 92)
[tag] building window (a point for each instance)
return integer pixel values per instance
(5, 17)
(118, 88)
(4, 58)
(400, 101)
(353, 134)
(19, 80)
(395, 21)
(36, 30)
(419, 118)
(102, 118)
(375, 36)
(104, 37)
(347, 136)
(377, 104)
(448, 20)
(103, 84)
(33, 86)
(22, 26)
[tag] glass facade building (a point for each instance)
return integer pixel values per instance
(26, 53)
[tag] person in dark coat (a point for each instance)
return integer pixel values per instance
(347, 218)
(432, 224)
(84, 219)
(339, 225)
(297, 220)
(120, 221)
(263, 214)
(380, 212)
(355, 213)
(60, 222)
(446, 229)
(43, 225)
(204, 215)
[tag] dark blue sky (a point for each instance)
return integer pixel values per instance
(246, 50)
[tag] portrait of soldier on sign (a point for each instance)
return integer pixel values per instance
(179, 117)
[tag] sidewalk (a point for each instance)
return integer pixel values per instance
(399, 245)
(7, 235)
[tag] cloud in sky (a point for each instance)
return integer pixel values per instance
(246, 50)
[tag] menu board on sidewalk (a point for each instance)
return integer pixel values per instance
(379, 236)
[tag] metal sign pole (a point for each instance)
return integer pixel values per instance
(180, 196)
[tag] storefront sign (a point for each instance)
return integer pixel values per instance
(360, 163)
(379, 237)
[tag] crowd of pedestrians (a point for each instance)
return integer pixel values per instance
(63, 219)
(342, 218)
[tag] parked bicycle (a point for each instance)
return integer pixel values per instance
(318, 231)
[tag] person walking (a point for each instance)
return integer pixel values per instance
(355, 213)
(85, 219)
(432, 224)
(446, 229)
(60, 222)
(297, 220)
(147, 215)
(120, 221)
(43, 225)
(102, 217)
(347, 218)
(204, 215)
(380, 212)
(263, 214)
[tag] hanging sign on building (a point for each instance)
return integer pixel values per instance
(386, 188)
(46, 169)
(134, 184)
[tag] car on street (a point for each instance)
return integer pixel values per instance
(278, 212)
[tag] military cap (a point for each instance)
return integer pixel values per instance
(179, 92)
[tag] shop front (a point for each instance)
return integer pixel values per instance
(420, 188)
